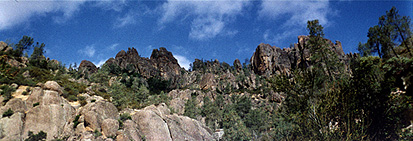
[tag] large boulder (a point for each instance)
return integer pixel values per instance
(15, 104)
(156, 123)
(87, 66)
(109, 127)
(95, 113)
(11, 128)
(53, 85)
(151, 124)
(185, 128)
(48, 118)
(131, 130)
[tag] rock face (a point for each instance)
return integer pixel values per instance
(268, 59)
(87, 66)
(156, 123)
(95, 113)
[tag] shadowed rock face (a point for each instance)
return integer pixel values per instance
(161, 63)
(268, 60)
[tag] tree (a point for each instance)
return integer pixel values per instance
(38, 51)
(37, 59)
(392, 31)
(23, 44)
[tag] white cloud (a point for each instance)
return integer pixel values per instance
(210, 17)
(17, 12)
(128, 19)
(280, 37)
(116, 5)
(292, 17)
(100, 63)
(88, 51)
(298, 12)
(183, 61)
(113, 46)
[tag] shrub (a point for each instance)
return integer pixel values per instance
(97, 133)
(41, 136)
(83, 102)
(72, 98)
(125, 116)
(7, 90)
(36, 104)
(76, 121)
(8, 113)
(93, 100)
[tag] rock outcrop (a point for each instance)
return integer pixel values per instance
(87, 66)
(268, 60)
(161, 63)
(156, 123)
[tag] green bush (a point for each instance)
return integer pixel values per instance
(8, 113)
(72, 98)
(76, 121)
(36, 104)
(41, 136)
(125, 116)
(97, 133)
(6, 93)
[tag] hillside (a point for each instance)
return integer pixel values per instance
(309, 91)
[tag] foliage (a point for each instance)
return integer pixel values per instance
(76, 121)
(191, 109)
(156, 85)
(8, 113)
(6, 92)
(36, 104)
(392, 30)
(41, 136)
(23, 44)
(97, 133)
(125, 116)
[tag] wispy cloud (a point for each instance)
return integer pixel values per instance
(299, 12)
(183, 61)
(292, 17)
(127, 19)
(279, 37)
(210, 17)
(100, 63)
(88, 51)
(113, 46)
(17, 12)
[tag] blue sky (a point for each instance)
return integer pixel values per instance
(213, 29)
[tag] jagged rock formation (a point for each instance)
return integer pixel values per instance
(161, 63)
(268, 59)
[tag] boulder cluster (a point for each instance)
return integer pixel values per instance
(44, 109)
